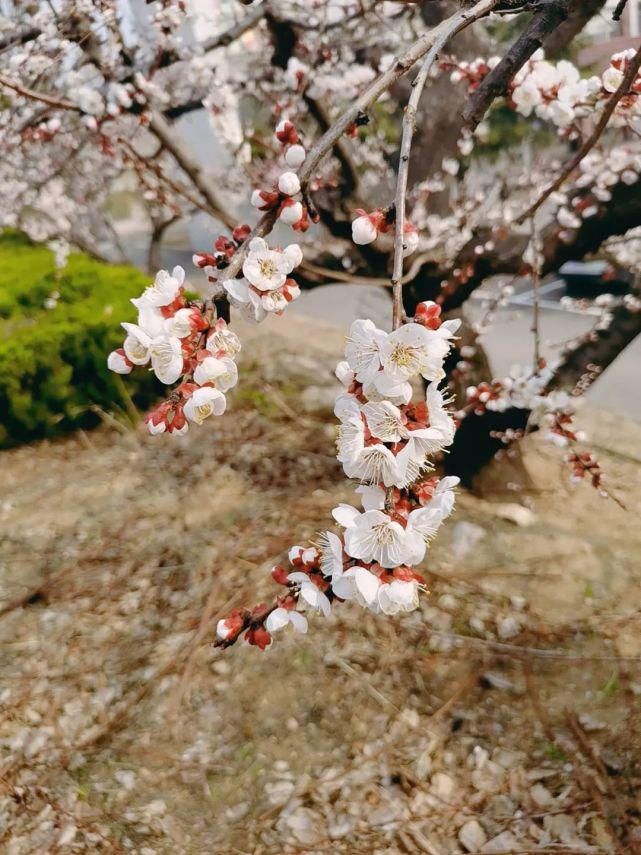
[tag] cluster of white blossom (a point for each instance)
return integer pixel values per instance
(528, 389)
(265, 286)
(557, 93)
(179, 339)
(385, 442)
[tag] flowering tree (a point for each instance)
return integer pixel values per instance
(93, 93)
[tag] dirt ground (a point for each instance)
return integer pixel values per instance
(503, 716)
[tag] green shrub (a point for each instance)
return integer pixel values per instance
(53, 362)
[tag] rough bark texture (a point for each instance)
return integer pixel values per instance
(495, 85)
(580, 12)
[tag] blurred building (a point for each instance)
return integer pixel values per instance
(608, 37)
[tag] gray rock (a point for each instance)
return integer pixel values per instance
(442, 786)
(472, 836)
(503, 842)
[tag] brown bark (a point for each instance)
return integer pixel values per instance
(580, 12)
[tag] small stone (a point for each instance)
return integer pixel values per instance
(498, 681)
(423, 765)
(506, 758)
(279, 792)
(489, 778)
(477, 625)
(126, 778)
(340, 827)
(472, 836)
(601, 833)
(236, 812)
(516, 514)
(503, 842)
(541, 796)
(465, 537)
(442, 786)
(384, 814)
(303, 825)
(591, 724)
(561, 827)
(67, 835)
(507, 627)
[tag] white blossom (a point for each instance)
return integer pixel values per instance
(166, 358)
(363, 349)
(310, 593)
(118, 362)
(281, 617)
(223, 373)
(265, 268)
(612, 78)
(203, 403)
(164, 290)
(413, 349)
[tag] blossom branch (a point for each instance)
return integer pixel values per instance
(495, 85)
(409, 126)
(163, 132)
(42, 97)
(326, 143)
(624, 89)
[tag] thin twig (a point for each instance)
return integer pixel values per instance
(376, 281)
(588, 145)
(525, 652)
(32, 95)
(168, 136)
(536, 303)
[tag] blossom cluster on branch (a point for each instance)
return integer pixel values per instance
(556, 92)
(385, 442)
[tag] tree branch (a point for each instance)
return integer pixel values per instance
(580, 12)
(495, 85)
(165, 134)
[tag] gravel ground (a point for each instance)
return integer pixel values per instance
(503, 716)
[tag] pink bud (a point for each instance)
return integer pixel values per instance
(264, 200)
(410, 239)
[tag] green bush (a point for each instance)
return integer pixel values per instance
(53, 361)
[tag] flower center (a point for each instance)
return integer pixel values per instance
(267, 267)
(383, 532)
(403, 355)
